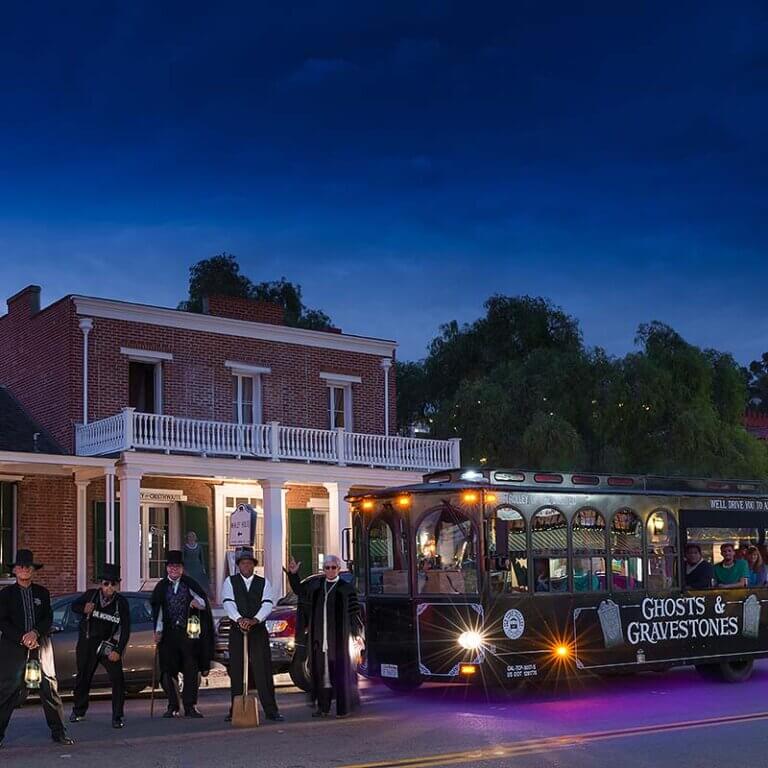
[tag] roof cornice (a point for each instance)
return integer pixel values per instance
(191, 321)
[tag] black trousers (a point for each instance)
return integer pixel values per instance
(324, 695)
(259, 661)
(87, 661)
(178, 653)
(12, 688)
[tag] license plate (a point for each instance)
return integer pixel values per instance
(389, 670)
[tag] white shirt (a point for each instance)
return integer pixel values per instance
(268, 599)
(175, 586)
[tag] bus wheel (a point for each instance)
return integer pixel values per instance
(405, 685)
(299, 671)
(736, 671)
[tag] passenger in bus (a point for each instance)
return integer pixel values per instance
(758, 574)
(699, 573)
(731, 573)
(583, 578)
(542, 575)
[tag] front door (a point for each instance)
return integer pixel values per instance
(158, 535)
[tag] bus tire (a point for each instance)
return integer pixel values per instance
(301, 675)
(736, 671)
(401, 686)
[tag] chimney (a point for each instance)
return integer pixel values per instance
(236, 308)
(26, 302)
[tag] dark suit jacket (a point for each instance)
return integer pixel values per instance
(12, 652)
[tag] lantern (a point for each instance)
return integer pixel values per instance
(193, 627)
(33, 674)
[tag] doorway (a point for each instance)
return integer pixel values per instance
(159, 533)
(144, 386)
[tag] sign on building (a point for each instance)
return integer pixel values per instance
(242, 526)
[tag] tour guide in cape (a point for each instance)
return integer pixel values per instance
(26, 619)
(333, 613)
(174, 600)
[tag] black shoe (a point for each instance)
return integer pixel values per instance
(171, 713)
(62, 738)
(228, 718)
(340, 717)
(118, 722)
(319, 713)
(75, 718)
(277, 717)
(192, 712)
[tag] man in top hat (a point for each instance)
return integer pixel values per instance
(174, 600)
(104, 632)
(25, 622)
(248, 599)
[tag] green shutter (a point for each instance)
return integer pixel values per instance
(100, 536)
(196, 519)
(300, 538)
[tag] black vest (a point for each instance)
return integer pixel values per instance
(248, 601)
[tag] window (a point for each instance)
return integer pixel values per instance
(340, 406)
(446, 552)
(7, 527)
(246, 399)
(661, 542)
(589, 551)
(549, 549)
(145, 386)
(626, 551)
(387, 555)
(507, 551)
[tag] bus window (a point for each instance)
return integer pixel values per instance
(549, 549)
(446, 552)
(626, 551)
(661, 543)
(387, 555)
(507, 551)
(589, 550)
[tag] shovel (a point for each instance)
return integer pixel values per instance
(245, 710)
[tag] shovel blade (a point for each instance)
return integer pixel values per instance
(245, 712)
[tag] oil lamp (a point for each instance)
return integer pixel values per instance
(33, 674)
(193, 627)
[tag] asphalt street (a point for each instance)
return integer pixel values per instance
(675, 719)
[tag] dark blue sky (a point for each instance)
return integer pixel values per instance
(402, 161)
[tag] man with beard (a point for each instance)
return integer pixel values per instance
(333, 614)
(25, 622)
(248, 600)
(174, 600)
(104, 632)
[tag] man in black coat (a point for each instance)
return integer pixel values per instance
(174, 600)
(104, 632)
(248, 600)
(333, 614)
(25, 622)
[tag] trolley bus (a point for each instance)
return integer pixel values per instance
(502, 576)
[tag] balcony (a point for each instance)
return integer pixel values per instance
(130, 430)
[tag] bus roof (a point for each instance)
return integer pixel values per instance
(584, 482)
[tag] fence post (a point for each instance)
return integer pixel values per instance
(455, 452)
(340, 452)
(128, 428)
(274, 440)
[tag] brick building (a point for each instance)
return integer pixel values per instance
(757, 424)
(151, 422)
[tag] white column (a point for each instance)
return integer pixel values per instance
(130, 528)
(86, 323)
(338, 515)
(274, 530)
(219, 494)
(109, 495)
(82, 534)
(386, 364)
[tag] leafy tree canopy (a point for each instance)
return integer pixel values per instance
(221, 275)
(521, 390)
(758, 383)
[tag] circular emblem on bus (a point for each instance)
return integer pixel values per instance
(514, 624)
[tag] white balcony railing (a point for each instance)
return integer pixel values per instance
(130, 430)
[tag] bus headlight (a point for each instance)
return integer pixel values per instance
(471, 640)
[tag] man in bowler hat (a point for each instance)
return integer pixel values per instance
(248, 600)
(26, 619)
(174, 599)
(104, 632)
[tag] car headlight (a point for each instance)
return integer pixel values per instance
(470, 640)
(276, 626)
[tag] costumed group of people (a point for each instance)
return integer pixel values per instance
(329, 614)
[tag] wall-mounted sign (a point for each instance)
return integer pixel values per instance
(242, 526)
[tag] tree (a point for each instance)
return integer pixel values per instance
(221, 275)
(758, 383)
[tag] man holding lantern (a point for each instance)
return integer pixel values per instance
(26, 653)
(183, 634)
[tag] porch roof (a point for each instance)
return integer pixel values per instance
(18, 429)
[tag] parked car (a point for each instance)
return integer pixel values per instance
(138, 657)
(281, 626)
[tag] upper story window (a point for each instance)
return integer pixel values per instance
(7, 527)
(246, 392)
(340, 399)
(145, 378)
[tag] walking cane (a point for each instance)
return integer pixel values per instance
(154, 682)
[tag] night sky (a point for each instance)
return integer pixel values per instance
(402, 161)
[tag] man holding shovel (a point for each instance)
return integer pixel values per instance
(248, 599)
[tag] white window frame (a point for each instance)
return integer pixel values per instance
(14, 481)
(253, 372)
(347, 390)
(153, 358)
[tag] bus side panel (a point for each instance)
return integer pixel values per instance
(391, 638)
